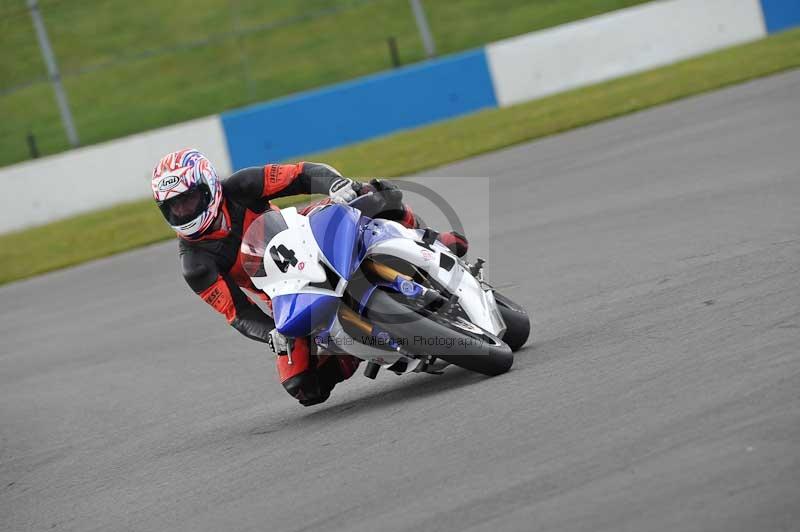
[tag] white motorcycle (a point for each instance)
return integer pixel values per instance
(394, 297)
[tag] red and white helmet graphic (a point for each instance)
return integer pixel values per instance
(188, 191)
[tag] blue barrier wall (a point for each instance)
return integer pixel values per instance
(781, 14)
(358, 110)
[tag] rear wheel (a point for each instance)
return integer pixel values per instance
(518, 324)
(453, 340)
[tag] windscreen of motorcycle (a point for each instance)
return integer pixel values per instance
(281, 256)
(254, 244)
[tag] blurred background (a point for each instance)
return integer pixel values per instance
(128, 67)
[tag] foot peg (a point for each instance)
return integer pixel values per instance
(399, 367)
(434, 366)
(429, 236)
(477, 269)
(371, 371)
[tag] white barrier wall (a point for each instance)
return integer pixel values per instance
(43, 190)
(505, 73)
(616, 44)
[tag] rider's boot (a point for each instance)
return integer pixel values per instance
(331, 370)
(297, 372)
(453, 240)
(308, 376)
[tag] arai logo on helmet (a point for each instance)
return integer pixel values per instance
(168, 183)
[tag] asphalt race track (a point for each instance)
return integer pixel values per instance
(660, 256)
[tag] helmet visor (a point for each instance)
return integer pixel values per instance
(187, 206)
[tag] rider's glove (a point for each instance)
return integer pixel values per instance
(278, 343)
(342, 190)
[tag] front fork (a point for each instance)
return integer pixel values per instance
(405, 285)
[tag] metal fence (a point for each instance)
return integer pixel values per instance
(125, 67)
(71, 63)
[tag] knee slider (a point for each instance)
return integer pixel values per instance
(305, 387)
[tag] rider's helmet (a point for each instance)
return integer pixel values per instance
(188, 191)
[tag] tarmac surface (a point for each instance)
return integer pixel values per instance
(659, 255)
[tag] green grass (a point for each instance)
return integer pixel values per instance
(312, 43)
(489, 130)
(98, 234)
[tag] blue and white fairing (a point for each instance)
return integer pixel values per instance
(337, 232)
(388, 238)
(303, 263)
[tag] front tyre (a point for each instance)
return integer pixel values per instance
(453, 340)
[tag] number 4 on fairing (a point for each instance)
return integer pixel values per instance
(283, 257)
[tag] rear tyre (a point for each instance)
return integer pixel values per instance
(518, 324)
(455, 341)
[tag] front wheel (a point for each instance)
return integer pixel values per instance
(456, 341)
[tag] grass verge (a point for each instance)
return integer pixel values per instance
(135, 66)
(85, 237)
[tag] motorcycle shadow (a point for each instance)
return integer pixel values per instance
(383, 398)
(400, 392)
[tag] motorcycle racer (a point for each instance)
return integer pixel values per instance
(210, 216)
